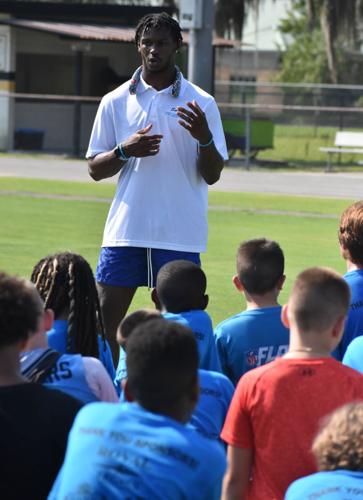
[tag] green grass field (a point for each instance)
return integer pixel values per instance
(41, 217)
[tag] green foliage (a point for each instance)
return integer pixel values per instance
(303, 57)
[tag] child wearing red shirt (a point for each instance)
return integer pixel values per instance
(276, 409)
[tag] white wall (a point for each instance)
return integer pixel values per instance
(266, 37)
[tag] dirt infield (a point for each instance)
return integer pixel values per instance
(236, 179)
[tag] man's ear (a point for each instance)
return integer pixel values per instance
(125, 388)
(281, 282)
(205, 302)
(237, 283)
(48, 319)
(284, 316)
(155, 299)
(338, 329)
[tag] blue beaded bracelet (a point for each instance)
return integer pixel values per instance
(122, 153)
(206, 145)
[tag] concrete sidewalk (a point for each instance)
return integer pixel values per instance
(236, 179)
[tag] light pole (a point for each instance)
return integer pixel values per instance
(198, 17)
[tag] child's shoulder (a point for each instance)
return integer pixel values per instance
(190, 317)
(215, 379)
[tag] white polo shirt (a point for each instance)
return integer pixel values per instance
(160, 201)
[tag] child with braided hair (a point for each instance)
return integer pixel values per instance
(66, 284)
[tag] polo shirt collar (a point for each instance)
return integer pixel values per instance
(138, 84)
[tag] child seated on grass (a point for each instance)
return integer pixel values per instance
(215, 389)
(350, 236)
(34, 420)
(276, 409)
(66, 284)
(143, 448)
(338, 450)
(255, 336)
(180, 296)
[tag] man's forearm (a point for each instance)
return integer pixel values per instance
(104, 165)
(210, 164)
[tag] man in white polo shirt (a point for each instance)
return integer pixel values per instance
(165, 136)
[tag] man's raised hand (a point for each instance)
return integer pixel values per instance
(140, 144)
(195, 122)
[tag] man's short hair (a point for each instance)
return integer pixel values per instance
(350, 233)
(158, 21)
(318, 298)
(162, 363)
(134, 319)
(20, 309)
(339, 444)
(181, 286)
(260, 265)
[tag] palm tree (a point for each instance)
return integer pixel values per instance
(230, 16)
(336, 17)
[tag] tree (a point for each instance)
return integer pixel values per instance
(319, 35)
(338, 20)
(303, 53)
(230, 16)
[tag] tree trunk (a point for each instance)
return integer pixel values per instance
(328, 26)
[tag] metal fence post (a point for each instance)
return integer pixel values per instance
(247, 137)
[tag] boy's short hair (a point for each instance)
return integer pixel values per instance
(319, 297)
(339, 444)
(350, 233)
(20, 309)
(132, 320)
(260, 265)
(181, 286)
(162, 363)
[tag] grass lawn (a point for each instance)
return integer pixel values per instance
(35, 222)
(299, 146)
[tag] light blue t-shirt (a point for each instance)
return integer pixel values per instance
(120, 452)
(353, 356)
(249, 339)
(200, 323)
(68, 375)
(215, 396)
(354, 323)
(57, 339)
(328, 485)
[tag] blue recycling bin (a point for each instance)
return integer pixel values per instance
(29, 139)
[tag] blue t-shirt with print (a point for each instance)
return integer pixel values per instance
(124, 452)
(250, 339)
(353, 356)
(215, 395)
(200, 323)
(354, 323)
(328, 485)
(57, 339)
(68, 375)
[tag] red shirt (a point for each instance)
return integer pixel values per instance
(276, 411)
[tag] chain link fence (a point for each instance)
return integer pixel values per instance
(266, 124)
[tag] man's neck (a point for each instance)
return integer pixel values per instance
(352, 267)
(160, 80)
(10, 367)
(261, 301)
(307, 348)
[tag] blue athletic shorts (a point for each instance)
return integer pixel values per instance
(134, 266)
